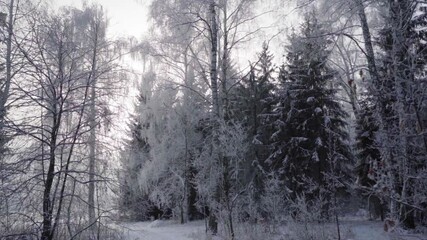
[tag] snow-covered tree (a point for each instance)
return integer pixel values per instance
(400, 101)
(164, 143)
(219, 171)
(369, 165)
(311, 150)
(50, 123)
(133, 200)
(251, 102)
(213, 31)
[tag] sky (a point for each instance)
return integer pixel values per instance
(126, 17)
(131, 18)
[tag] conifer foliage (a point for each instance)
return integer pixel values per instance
(253, 102)
(311, 149)
(133, 201)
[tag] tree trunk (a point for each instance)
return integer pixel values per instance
(370, 55)
(92, 140)
(214, 58)
(47, 230)
(225, 62)
(3, 99)
(382, 98)
(213, 221)
(92, 160)
(5, 91)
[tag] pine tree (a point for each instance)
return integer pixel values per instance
(311, 150)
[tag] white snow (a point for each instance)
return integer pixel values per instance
(171, 230)
(319, 142)
(318, 110)
(368, 230)
(311, 100)
(374, 230)
(164, 230)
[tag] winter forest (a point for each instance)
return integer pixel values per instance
(227, 120)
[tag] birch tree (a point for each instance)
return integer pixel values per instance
(7, 25)
(51, 122)
(8, 28)
(53, 84)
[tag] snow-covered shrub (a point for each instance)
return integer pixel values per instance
(273, 202)
(307, 221)
(219, 171)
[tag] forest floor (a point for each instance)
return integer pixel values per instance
(351, 230)
(163, 230)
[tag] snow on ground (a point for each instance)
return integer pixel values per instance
(367, 230)
(170, 230)
(163, 230)
(374, 230)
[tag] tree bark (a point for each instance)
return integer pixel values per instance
(48, 230)
(370, 55)
(92, 137)
(6, 90)
(225, 62)
(4, 97)
(214, 57)
(213, 221)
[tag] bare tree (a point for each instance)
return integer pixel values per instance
(67, 61)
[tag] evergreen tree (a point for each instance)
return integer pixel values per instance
(252, 102)
(311, 148)
(369, 165)
(134, 201)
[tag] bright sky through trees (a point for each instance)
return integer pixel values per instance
(127, 17)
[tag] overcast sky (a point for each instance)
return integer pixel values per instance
(131, 18)
(127, 17)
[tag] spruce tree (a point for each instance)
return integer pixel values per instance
(369, 165)
(133, 200)
(252, 102)
(311, 148)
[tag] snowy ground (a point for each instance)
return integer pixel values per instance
(164, 230)
(368, 230)
(169, 230)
